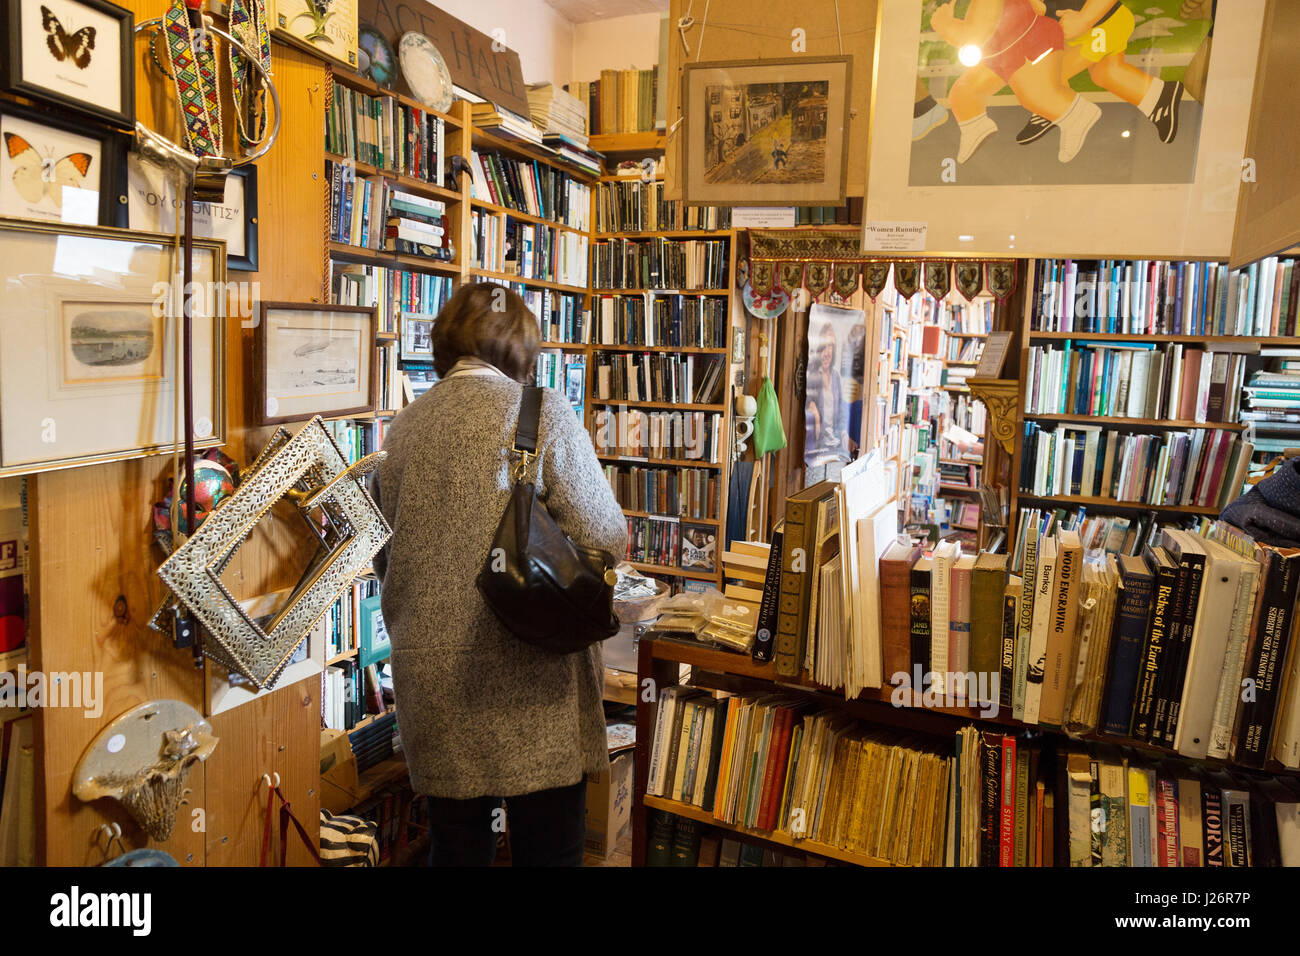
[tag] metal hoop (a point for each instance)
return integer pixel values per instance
(167, 146)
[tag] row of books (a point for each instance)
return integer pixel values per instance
(1149, 297)
(566, 373)
(968, 413)
(1131, 811)
(531, 187)
(371, 214)
(1002, 809)
(632, 433)
(1273, 419)
(561, 316)
(379, 739)
(1114, 534)
(674, 320)
(631, 205)
(771, 763)
(504, 122)
(680, 492)
(659, 263)
(621, 101)
(658, 377)
(380, 131)
(486, 246)
(356, 438)
(388, 375)
(342, 702)
(680, 841)
(1136, 380)
(400, 821)
(654, 541)
(342, 621)
(391, 291)
(961, 349)
(557, 112)
(1200, 467)
(537, 251)
(1274, 309)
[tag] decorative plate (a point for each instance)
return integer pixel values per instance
(765, 306)
(377, 59)
(425, 71)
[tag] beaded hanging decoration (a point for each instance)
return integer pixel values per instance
(248, 25)
(194, 75)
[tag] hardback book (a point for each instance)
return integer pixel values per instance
(1010, 626)
(765, 636)
(1166, 820)
(896, 566)
(1131, 624)
(1228, 697)
(1139, 817)
(1078, 774)
(1024, 627)
(988, 586)
(1187, 550)
(946, 554)
(1191, 837)
(959, 614)
(1165, 580)
(1044, 604)
(1212, 825)
(1267, 652)
(866, 640)
(1061, 627)
(990, 813)
(797, 568)
(1007, 803)
(1236, 826)
(1114, 815)
(922, 573)
(1193, 720)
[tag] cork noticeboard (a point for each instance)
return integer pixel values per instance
(775, 29)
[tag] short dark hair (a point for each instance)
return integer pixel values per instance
(486, 321)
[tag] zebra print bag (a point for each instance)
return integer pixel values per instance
(347, 840)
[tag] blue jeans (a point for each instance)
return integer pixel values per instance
(547, 828)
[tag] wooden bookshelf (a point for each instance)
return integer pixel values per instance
(1109, 503)
(647, 142)
(1138, 423)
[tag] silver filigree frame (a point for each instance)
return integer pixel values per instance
(310, 470)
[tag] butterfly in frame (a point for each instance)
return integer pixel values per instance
(36, 177)
(67, 46)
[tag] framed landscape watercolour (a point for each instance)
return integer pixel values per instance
(88, 345)
(327, 28)
(765, 132)
(312, 359)
(1117, 130)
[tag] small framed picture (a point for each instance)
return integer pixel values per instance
(60, 171)
(417, 337)
(374, 646)
(312, 359)
(327, 28)
(699, 547)
(152, 202)
(76, 53)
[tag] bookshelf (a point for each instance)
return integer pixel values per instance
(662, 329)
(1131, 376)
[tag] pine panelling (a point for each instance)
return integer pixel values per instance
(763, 29)
(1268, 209)
(277, 733)
(91, 543)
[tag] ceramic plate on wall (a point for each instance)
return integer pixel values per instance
(377, 59)
(425, 71)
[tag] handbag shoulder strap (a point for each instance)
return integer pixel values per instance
(530, 413)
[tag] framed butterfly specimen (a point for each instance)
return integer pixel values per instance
(55, 169)
(76, 53)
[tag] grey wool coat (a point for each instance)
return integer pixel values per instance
(480, 712)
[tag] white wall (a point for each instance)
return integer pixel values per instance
(542, 38)
(621, 43)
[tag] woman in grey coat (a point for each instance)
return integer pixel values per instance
(484, 716)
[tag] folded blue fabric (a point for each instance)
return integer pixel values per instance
(1270, 511)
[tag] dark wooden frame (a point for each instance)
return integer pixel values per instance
(112, 160)
(257, 398)
(13, 80)
(248, 261)
(695, 194)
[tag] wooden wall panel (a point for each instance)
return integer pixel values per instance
(1268, 209)
(91, 543)
(764, 29)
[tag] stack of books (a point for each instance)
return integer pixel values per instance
(415, 226)
(503, 122)
(557, 112)
(1273, 420)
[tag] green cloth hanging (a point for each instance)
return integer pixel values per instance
(769, 432)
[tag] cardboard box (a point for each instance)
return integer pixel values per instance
(609, 805)
(339, 786)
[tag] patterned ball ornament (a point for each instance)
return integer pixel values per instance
(212, 485)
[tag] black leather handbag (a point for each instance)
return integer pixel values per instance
(547, 590)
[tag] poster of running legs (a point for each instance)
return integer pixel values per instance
(1060, 91)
